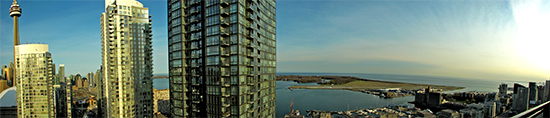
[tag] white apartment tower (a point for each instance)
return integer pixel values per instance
(34, 70)
(127, 60)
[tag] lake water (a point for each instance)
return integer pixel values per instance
(339, 100)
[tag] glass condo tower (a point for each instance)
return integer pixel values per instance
(222, 58)
(127, 60)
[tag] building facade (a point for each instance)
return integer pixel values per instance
(34, 70)
(61, 74)
(546, 93)
(533, 94)
(78, 80)
(60, 101)
(520, 99)
(90, 79)
(503, 89)
(69, 98)
(222, 58)
(127, 60)
(7, 73)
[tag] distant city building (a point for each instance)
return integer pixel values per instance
(127, 60)
(61, 73)
(58, 78)
(99, 91)
(90, 78)
(71, 79)
(222, 58)
(428, 98)
(521, 98)
(60, 101)
(472, 113)
(162, 101)
(7, 73)
(34, 83)
(68, 98)
(546, 93)
(86, 83)
(533, 92)
(3, 85)
(540, 93)
(447, 113)
(490, 109)
(503, 89)
(79, 80)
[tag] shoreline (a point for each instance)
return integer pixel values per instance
(384, 89)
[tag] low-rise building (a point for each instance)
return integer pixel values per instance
(447, 113)
(161, 103)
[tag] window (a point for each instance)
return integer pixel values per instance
(234, 49)
(213, 60)
(175, 55)
(212, 10)
(176, 38)
(176, 6)
(234, 18)
(175, 63)
(234, 39)
(214, 50)
(214, 30)
(233, 8)
(213, 40)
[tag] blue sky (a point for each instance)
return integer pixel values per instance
(494, 39)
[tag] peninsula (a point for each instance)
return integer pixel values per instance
(384, 89)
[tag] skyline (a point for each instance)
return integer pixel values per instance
(475, 39)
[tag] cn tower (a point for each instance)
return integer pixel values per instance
(15, 12)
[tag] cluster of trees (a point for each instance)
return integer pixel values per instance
(464, 98)
(299, 79)
(160, 76)
(319, 79)
(338, 79)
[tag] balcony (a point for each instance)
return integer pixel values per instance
(224, 42)
(195, 3)
(224, 32)
(224, 12)
(194, 12)
(225, 84)
(249, 54)
(249, 16)
(248, 26)
(224, 3)
(225, 73)
(224, 23)
(224, 63)
(224, 53)
(226, 114)
(225, 104)
(249, 7)
(536, 112)
(226, 94)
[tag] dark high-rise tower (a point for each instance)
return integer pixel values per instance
(222, 58)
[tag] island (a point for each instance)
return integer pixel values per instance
(385, 89)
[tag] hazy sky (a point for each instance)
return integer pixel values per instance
(494, 39)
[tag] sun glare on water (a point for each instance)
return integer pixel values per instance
(533, 31)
